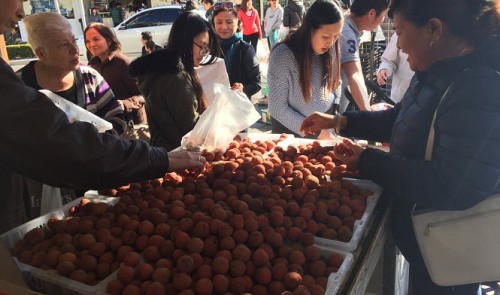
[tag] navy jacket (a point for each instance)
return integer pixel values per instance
(465, 166)
(245, 67)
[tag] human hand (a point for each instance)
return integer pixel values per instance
(348, 152)
(317, 121)
(181, 159)
(133, 103)
(382, 76)
(237, 86)
(325, 135)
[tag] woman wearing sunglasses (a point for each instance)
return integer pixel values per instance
(168, 80)
(241, 62)
(304, 70)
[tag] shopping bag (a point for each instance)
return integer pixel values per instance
(51, 199)
(461, 247)
(210, 74)
(228, 114)
(77, 113)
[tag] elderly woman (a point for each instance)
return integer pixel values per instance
(113, 66)
(58, 69)
(454, 49)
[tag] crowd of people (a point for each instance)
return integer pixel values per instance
(439, 48)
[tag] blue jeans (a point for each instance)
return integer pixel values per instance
(273, 38)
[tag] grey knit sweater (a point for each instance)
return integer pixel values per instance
(286, 102)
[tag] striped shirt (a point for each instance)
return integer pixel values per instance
(90, 92)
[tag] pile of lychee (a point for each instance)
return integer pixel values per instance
(244, 225)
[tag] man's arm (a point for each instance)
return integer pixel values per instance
(357, 86)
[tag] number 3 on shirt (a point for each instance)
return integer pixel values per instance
(352, 46)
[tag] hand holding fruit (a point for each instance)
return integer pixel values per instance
(180, 160)
(317, 121)
(348, 152)
(237, 86)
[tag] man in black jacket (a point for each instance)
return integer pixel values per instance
(293, 14)
(38, 141)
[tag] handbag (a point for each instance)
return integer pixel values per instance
(459, 247)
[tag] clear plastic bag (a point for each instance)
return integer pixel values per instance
(229, 113)
(77, 113)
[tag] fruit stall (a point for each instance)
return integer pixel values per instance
(271, 214)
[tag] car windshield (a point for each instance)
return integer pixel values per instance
(157, 17)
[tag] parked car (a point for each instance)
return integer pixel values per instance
(157, 20)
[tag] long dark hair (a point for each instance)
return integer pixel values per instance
(474, 21)
(185, 28)
(322, 12)
(244, 5)
(106, 33)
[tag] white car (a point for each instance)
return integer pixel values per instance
(157, 20)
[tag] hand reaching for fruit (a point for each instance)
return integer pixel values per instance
(348, 152)
(180, 160)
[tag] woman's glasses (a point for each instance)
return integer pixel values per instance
(204, 50)
(223, 5)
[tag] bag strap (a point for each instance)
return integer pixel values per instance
(430, 138)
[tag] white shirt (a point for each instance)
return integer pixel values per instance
(396, 63)
(273, 19)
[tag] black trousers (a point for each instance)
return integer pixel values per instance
(252, 39)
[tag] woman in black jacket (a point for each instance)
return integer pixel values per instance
(454, 49)
(242, 64)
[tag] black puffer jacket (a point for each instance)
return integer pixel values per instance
(465, 166)
(39, 142)
(293, 14)
(171, 102)
(245, 67)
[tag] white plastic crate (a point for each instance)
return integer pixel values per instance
(48, 281)
(336, 279)
(263, 136)
(359, 225)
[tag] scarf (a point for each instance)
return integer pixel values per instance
(228, 46)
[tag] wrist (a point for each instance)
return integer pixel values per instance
(337, 124)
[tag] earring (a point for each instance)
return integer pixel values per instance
(430, 44)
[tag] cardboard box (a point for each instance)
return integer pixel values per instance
(7, 288)
(11, 279)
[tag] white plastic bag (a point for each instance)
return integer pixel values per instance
(51, 199)
(262, 50)
(210, 74)
(77, 113)
(229, 113)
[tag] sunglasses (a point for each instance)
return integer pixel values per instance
(223, 5)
